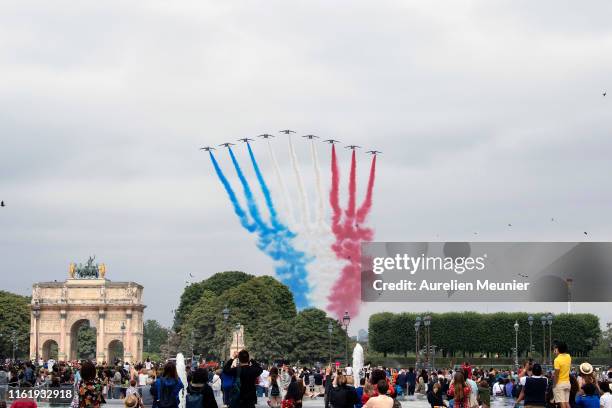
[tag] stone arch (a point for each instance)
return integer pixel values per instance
(50, 349)
(77, 323)
(116, 351)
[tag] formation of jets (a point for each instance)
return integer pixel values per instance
(289, 132)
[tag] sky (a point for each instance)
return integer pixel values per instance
(488, 113)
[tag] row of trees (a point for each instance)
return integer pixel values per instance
(471, 333)
(273, 329)
(14, 324)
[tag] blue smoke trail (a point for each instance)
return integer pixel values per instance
(275, 241)
(266, 191)
(251, 204)
(242, 216)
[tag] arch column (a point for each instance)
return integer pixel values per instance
(127, 343)
(64, 347)
(100, 342)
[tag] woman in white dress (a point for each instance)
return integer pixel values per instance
(216, 383)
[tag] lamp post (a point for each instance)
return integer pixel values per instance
(36, 312)
(168, 333)
(346, 319)
(149, 346)
(417, 326)
(516, 329)
(427, 322)
(330, 329)
(225, 313)
(549, 320)
(544, 355)
(530, 321)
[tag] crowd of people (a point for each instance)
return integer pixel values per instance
(243, 382)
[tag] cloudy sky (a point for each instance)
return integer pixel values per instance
(488, 113)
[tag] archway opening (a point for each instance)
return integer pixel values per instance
(83, 341)
(115, 351)
(50, 350)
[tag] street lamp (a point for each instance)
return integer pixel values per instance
(417, 326)
(346, 320)
(36, 312)
(149, 346)
(427, 322)
(544, 355)
(549, 319)
(516, 329)
(530, 321)
(330, 329)
(225, 313)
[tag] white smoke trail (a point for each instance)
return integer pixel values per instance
(300, 186)
(320, 213)
(287, 206)
(325, 268)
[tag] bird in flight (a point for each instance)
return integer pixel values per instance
(331, 141)
(586, 233)
(245, 140)
(287, 131)
(2, 204)
(552, 219)
(352, 147)
(310, 136)
(604, 93)
(207, 148)
(191, 274)
(226, 144)
(266, 136)
(374, 152)
(509, 224)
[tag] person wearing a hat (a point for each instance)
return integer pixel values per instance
(587, 376)
(561, 376)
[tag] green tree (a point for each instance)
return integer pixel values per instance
(311, 338)
(470, 334)
(382, 333)
(218, 283)
(154, 336)
(86, 341)
(200, 326)
(271, 340)
(14, 324)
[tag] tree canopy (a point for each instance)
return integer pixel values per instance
(265, 308)
(218, 283)
(14, 318)
(472, 333)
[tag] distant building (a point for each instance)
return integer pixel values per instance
(362, 336)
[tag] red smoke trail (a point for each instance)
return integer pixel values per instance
(365, 208)
(350, 212)
(346, 292)
(334, 195)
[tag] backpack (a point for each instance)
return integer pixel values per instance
(235, 391)
(165, 398)
(194, 399)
